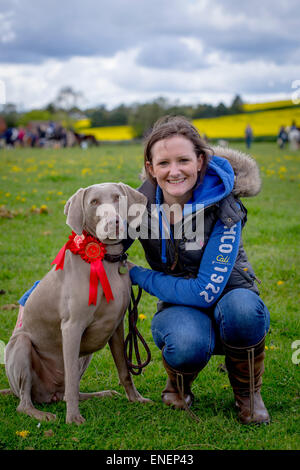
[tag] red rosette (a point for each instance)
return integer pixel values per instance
(93, 251)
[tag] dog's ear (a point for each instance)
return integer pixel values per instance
(74, 211)
(136, 201)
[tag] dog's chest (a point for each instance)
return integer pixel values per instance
(107, 316)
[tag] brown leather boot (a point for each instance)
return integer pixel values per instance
(245, 369)
(177, 392)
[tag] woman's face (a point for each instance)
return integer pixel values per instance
(175, 166)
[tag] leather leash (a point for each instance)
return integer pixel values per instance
(133, 336)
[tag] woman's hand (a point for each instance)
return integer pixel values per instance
(130, 265)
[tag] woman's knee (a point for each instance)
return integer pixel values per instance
(242, 317)
(186, 336)
(188, 354)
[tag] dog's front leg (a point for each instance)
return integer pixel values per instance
(116, 344)
(71, 335)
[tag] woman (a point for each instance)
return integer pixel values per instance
(209, 303)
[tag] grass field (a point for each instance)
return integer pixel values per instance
(34, 185)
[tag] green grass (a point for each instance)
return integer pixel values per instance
(29, 241)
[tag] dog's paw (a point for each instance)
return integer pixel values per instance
(144, 400)
(37, 414)
(138, 397)
(75, 418)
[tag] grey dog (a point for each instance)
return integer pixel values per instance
(47, 356)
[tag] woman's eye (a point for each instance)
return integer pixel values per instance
(163, 163)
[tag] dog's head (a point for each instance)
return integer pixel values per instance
(103, 210)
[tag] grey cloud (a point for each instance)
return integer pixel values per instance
(169, 53)
(238, 31)
(62, 29)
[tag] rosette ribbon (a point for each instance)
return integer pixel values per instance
(91, 251)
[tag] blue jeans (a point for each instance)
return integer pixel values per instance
(190, 336)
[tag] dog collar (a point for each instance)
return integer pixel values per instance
(92, 251)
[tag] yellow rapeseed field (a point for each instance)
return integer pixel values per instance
(268, 105)
(264, 123)
(111, 133)
(82, 123)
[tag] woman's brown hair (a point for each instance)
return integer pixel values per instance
(170, 126)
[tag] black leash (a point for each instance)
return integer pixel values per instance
(133, 336)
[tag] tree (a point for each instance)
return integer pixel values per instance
(10, 114)
(237, 105)
(143, 116)
(67, 99)
(34, 115)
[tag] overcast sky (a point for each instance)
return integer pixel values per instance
(125, 51)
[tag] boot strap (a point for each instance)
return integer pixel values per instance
(251, 356)
(180, 387)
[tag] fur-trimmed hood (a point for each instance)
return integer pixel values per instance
(247, 181)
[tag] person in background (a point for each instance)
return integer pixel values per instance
(282, 137)
(248, 136)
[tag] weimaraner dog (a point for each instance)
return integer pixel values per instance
(47, 356)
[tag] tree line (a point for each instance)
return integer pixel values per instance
(140, 116)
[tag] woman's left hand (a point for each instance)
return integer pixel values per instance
(130, 265)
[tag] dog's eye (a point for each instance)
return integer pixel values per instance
(94, 202)
(116, 197)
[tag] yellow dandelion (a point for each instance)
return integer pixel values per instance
(85, 171)
(142, 316)
(282, 169)
(16, 169)
(59, 193)
(44, 209)
(23, 434)
(279, 283)
(266, 347)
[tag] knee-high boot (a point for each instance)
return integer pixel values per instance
(177, 392)
(245, 368)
